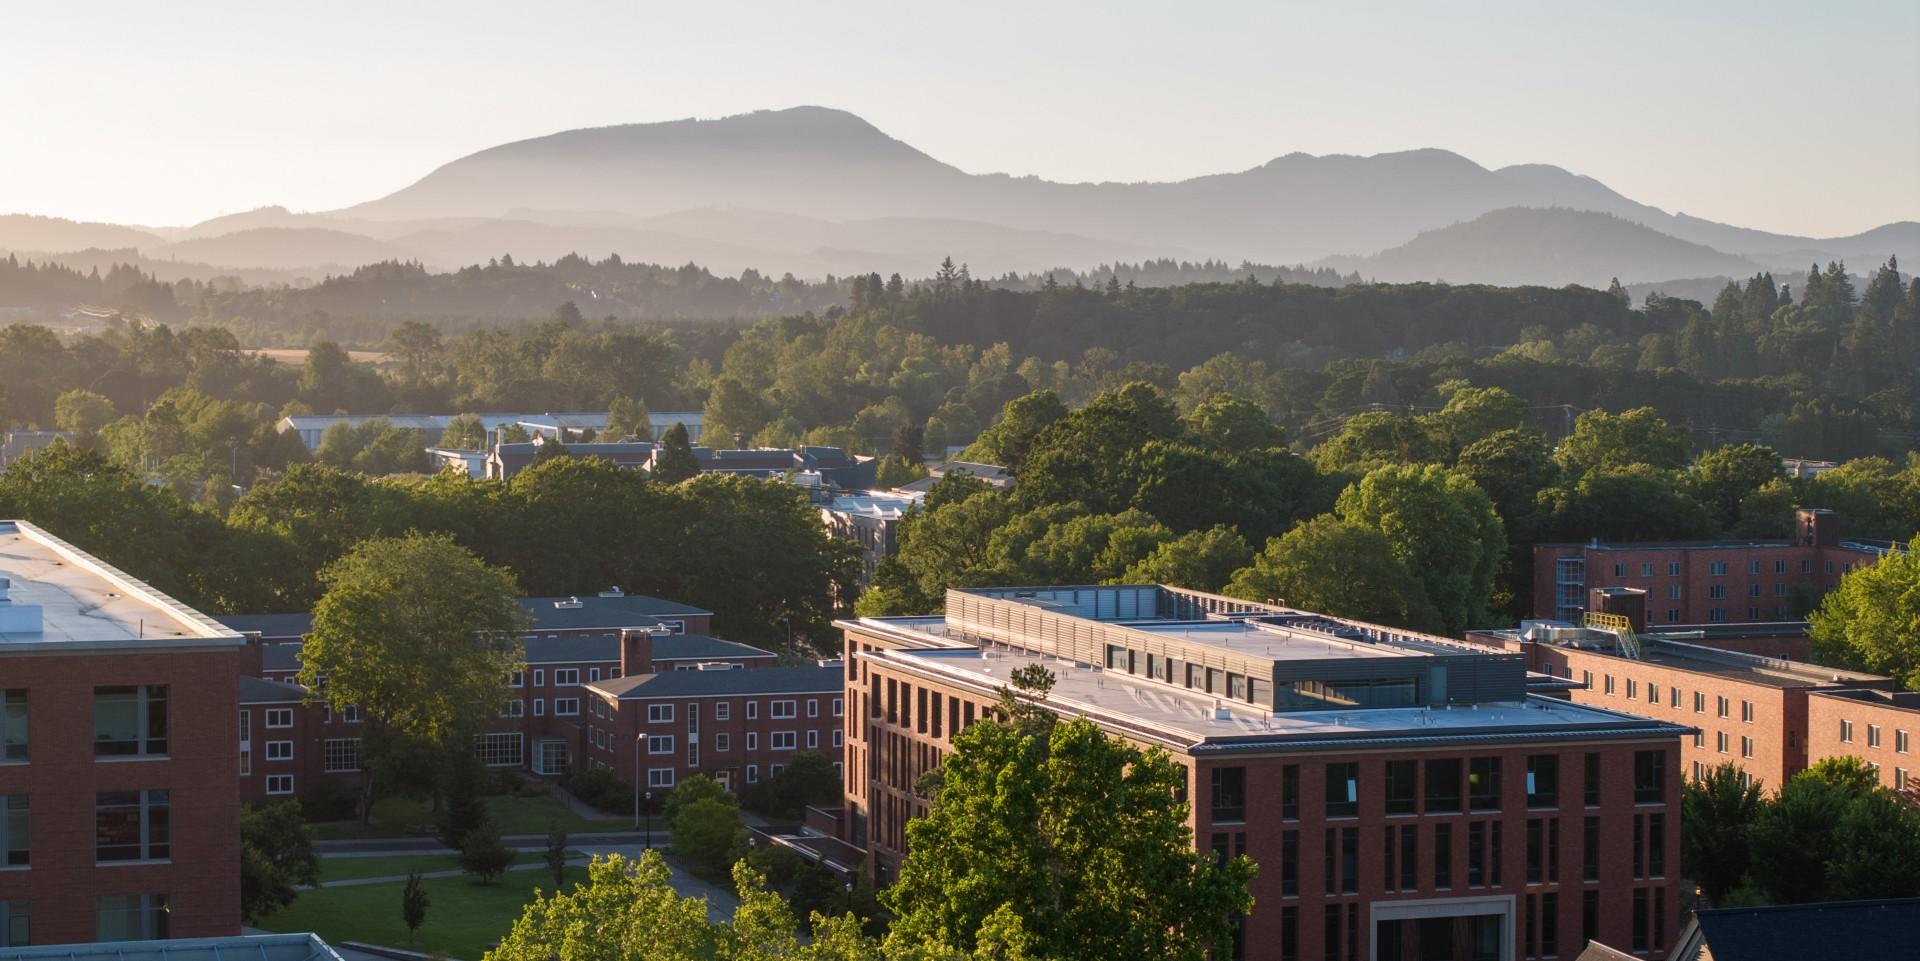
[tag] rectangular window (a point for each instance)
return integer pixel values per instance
(723, 711)
(1720, 741)
(1780, 567)
(16, 831)
(130, 721)
(753, 707)
(539, 677)
(722, 743)
(593, 674)
(1673, 615)
(1443, 855)
(1476, 854)
(1536, 850)
(1483, 780)
(1673, 568)
(566, 677)
(1753, 567)
(660, 744)
(782, 740)
(278, 784)
(659, 714)
(1720, 706)
(1409, 857)
(1646, 569)
(131, 917)
(813, 707)
(1657, 845)
(1746, 712)
(1619, 570)
(1649, 777)
(1343, 789)
(1633, 689)
(1900, 742)
(753, 773)
(13, 724)
(517, 679)
(279, 750)
(1229, 794)
(1590, 851)
(278, 717)
(753, 741)
(566, 706)
(1443, 786)
(1673, 592)
(659, 777)
(499, 750)
(1591, 787)
(539, 707)
(781, 710)
(1290, 792)
(514, 708)
(1873, 735)
(1746, 746)
(16, 928)
(839, 706)
(1403, 787)
(1717, 568)
(1349, 860)
(837, 737)
(342, 754)
(1609, 684)
(1289, 863)
(813, 739)
(132, 825)
(1699, 702)
(1846, 732)
(1639, 920)
(1717, 591)
(1543, 780)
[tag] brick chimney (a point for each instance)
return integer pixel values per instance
(1816, 527)
(636, 651)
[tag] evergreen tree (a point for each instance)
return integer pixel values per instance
(675, 461)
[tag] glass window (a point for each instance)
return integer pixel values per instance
(342, 754)
(1343, 789)
(1590, 851)
(1229, 794)
(130, 721)
(1592, 786)
(13, 724)
(16, 929)
(16, 831)
(1443, 855)
(1289, 863)
(1443, 786)
(1649, 777)
(1290, 791)
(1543, 780)
(131, 917)
(1403, 787)
(659, 714)
(1483, 780)
(131, 825)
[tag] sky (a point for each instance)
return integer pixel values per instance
(1797, 118)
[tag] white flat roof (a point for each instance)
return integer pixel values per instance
(84, 602)
(1180, 715)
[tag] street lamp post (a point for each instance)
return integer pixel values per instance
(649, 820)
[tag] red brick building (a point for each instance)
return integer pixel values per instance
(654, 729)
(118, 815)
(1403, 795)
(1702, 582)
(1876, 726)
(289, 746)
(1750, 710)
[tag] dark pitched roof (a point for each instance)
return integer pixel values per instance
(1797, 932)
(764, 680)
(627, 610)
(268, 625)
(284, 656)
(562, 650)
(256, 690)
(700, 647)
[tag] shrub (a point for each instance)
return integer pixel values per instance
(331, 800)
(482, 854)
(601, 789)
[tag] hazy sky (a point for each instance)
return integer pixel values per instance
(1794, 117)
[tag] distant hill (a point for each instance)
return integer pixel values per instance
(813, 191)
(24, 232)
(1550, 247)
(284, 248)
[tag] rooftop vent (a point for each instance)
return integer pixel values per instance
(1221, 713)
(613, 591)
(570, 604)
(716, 666)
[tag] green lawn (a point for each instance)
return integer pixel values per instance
(382, 866)
(396, 817)
(339, 868)
(463, 918)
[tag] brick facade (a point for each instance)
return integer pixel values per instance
(1878, 727)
